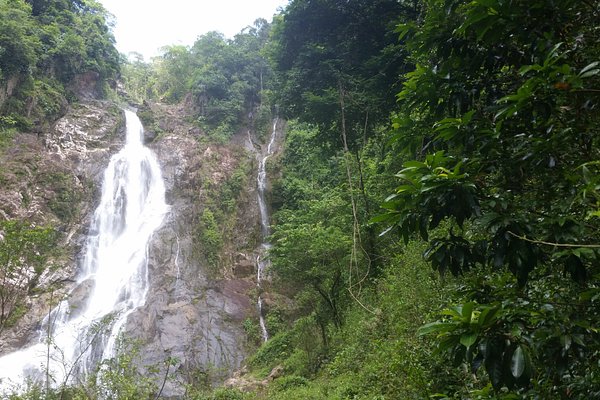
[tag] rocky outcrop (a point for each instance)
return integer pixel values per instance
(245, 382)
(86, 85)
(193, 313)
(7, 87)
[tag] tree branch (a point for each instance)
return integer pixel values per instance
(569, 245)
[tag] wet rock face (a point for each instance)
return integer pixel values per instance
(192, 314)
(86, 85)
(86, 137)
(50, 178)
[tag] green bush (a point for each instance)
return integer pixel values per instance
(209, 237)
(288, 382)
(222, 394)
(273, 352)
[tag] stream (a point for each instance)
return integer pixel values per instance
(262, 261)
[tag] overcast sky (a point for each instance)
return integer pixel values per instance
(146, 25)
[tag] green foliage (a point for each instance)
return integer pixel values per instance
(252, 330)
(327, 51)
(18, 43)
(116, 378)
(498, 112)
(48, 94)
(433, 190)
(209, 237)
(44, 47)
(121, 378)
(7, 130)
(272, 352)
(24, 252)
(138, 78)
(375, 353)
(311, 239)
(289, 382)
(149, 120)
(232, 188)
(222, 80)
(223, 394)
(65, 196)
(173, 70)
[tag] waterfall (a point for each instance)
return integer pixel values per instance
(262, 263)
(113, 274)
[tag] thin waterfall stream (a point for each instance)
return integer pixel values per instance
(262, 262)
(74, 338)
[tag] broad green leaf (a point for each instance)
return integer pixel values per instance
(467, 339)
(467, 312)
(383, 218)
(435, 327)
(403, 188)
(589, 67)
(493, 366)
(525, 69)
(578, 338)
(589, 73)
(454, 311)
(487, 316)
(404, 29)
(448, 343)
(565, 341)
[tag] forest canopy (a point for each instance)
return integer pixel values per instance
(493, 145)
(44, 46)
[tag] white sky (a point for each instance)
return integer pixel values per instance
(146, 25)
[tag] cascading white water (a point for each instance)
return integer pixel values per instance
(262, 262)
(73, 340)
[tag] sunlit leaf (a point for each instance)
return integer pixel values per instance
(517, 363)
(468, 339)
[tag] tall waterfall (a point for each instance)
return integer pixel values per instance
(262, 262)
(75, 337)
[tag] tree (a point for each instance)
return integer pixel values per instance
(498, 114)
(312, 238)
(44, 46)
(327, 51)
(18, 42)
(138, 77)
(24, 252)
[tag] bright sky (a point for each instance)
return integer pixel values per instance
(146, 25)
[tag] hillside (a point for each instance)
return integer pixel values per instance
(428, 226)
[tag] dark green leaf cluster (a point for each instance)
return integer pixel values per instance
(327, 49)
(500, 114)
(311, 241)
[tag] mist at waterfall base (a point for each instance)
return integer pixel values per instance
(75, 338)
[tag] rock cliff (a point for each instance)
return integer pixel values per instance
(199, 296)
(196, 308)
(51, 178)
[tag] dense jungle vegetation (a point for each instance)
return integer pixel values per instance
(45, 48)
(436, 211)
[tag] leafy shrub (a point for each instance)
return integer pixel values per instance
(288, 382)
(273, 351)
